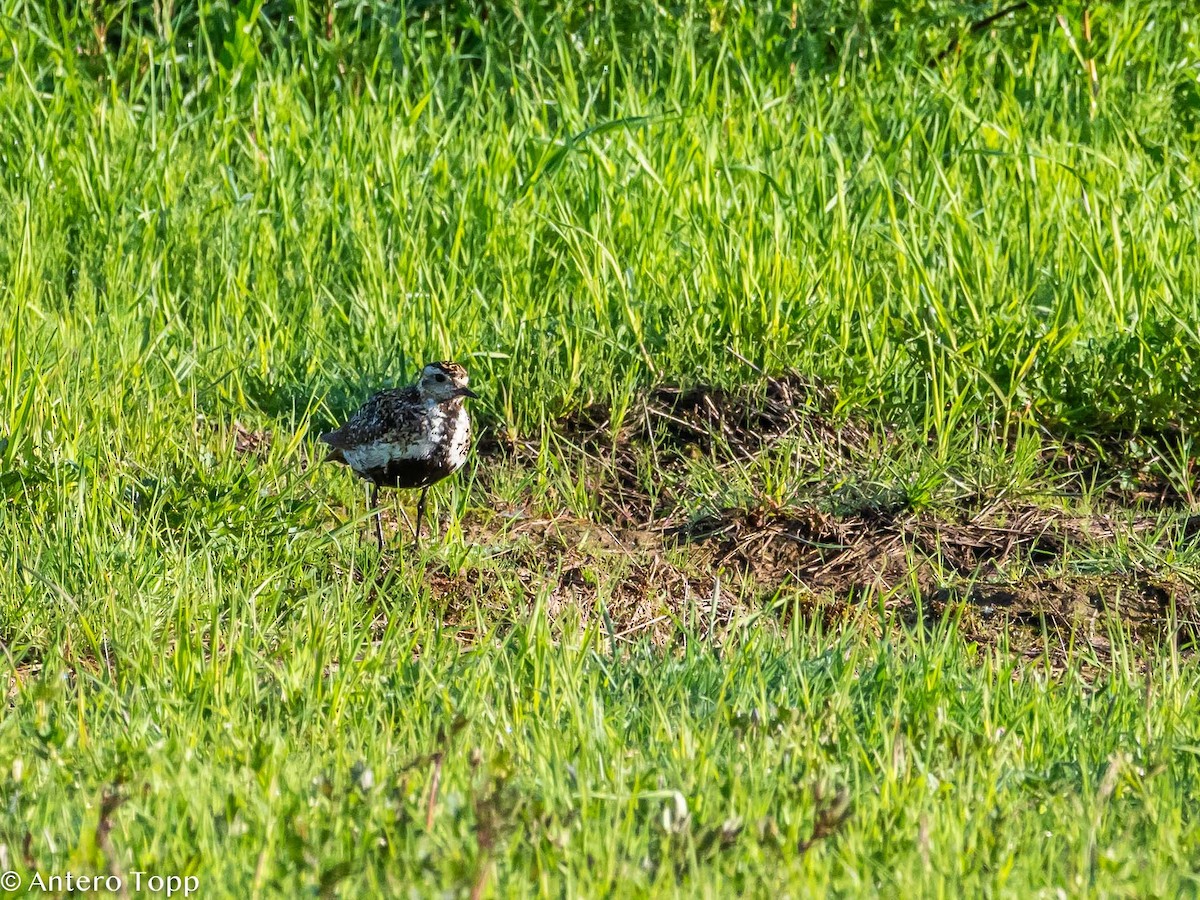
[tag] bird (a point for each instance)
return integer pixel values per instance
(408, 437)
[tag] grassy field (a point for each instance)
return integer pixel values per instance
(830, 528)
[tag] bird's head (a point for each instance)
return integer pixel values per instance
(441, 381)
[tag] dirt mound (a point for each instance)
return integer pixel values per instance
(1004, 574)
(672, 425)
(1007, 571)
(680, 420)
(877, 549)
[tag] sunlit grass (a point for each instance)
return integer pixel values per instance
(224, 221)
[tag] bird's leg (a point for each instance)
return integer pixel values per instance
(420, 516)
(378, 517)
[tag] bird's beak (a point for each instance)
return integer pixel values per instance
(467, 392)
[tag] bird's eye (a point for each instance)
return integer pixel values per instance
(440, 378)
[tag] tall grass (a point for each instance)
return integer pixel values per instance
(217, 215)
(578, 201)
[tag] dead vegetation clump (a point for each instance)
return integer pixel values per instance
(246, 441)
(883, 550)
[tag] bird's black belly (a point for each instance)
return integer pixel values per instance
(411, 473)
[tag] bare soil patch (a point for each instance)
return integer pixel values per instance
(587, 572)
(1003, 575)
(882, 551)
(1005, 570)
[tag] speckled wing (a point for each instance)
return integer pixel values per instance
(393, 418)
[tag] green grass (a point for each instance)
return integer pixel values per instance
(213, 215)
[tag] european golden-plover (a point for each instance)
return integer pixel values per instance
(409, 437)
